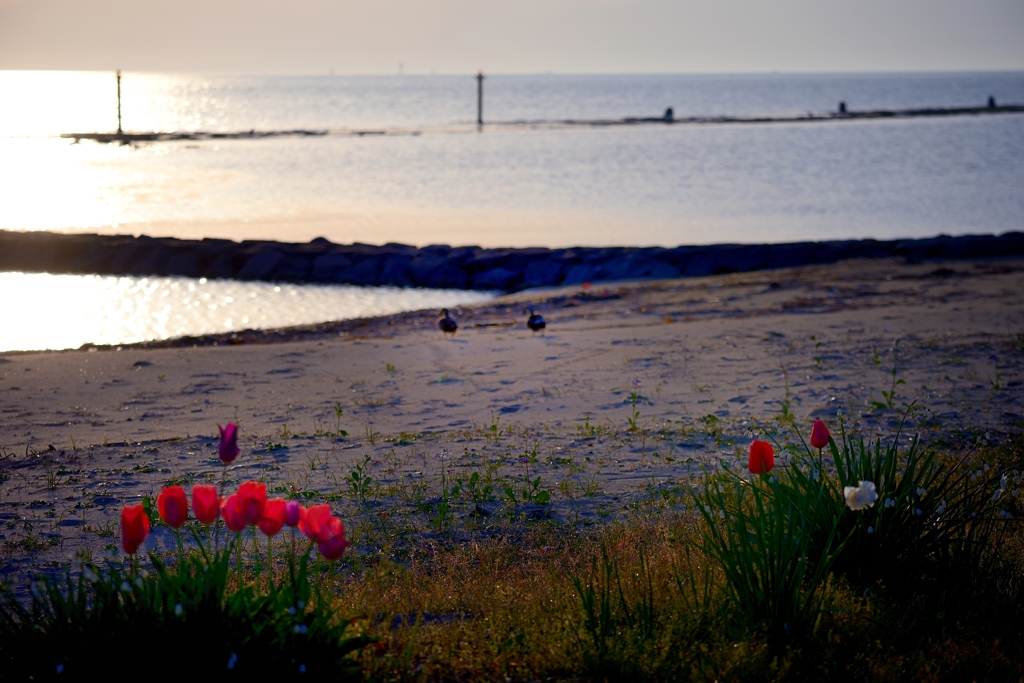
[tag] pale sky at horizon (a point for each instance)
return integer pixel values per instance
(502, 36)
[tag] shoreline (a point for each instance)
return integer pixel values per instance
(116, 393)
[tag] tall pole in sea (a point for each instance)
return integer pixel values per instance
(118, 101)
(479, 98)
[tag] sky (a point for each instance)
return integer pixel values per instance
(512, 36)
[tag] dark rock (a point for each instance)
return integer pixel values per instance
(973, 246)
(91, 258)
(222, 267)
(260, 265)
(496, 278)
(740, 259)
(519, 259)
(293, 269)
(364, 273)
(448, 277)
(701, 264)
(790, 255)
(399, 249)
(542, 274)
(423, 266)
(150, 262)
(636, 267)
(184, 264)
(579, 274)
(125, 258)
(663, 271)
(330, 267)
(831, 252)
(483, 261)
(396, 272)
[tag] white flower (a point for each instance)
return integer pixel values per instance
(291, 610)
(921, 492)
(90, 575)
(941, 508)
(178, 610)
(890, 503)
(860, 497)
(138, 582)
(125, 587)
(871, 529)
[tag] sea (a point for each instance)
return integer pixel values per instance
(403, 160)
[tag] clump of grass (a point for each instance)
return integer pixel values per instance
(934, 516)
(199, 607)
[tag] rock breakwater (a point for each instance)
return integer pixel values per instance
(445, 267)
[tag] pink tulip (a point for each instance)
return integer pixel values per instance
(331, 540)
(252, 498)
(762, 457)
(312, 519)
(134, 527)
(173, 506)
(205, 503)
(232, 514)
(819, 434)
(273, 517)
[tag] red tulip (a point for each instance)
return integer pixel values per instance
(273, 517)
(762, 457)
(313, 519)
(205, 503)
(232, 514)
(134, 527)
(292, 513)
(252, 498)
(331, 540)
(228, 448)
(819, 434)
(173, 506)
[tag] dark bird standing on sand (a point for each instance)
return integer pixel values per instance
(446, 323)
(535, 322)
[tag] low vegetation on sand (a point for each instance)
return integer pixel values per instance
(834, 559)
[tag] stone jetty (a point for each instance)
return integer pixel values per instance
(442, 266)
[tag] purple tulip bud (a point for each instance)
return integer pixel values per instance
(291, 513)
(228, 449)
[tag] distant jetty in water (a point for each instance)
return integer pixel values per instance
(842, 114)
(445, 267)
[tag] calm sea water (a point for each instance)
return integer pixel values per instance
(436, 179)
(43, 311)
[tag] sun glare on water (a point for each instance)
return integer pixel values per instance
(43, 311)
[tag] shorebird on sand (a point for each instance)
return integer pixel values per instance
(535, 322)
(447, 324)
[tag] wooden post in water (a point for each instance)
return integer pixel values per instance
(480, 98)
(118, 101)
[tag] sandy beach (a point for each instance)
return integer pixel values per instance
(717, 359)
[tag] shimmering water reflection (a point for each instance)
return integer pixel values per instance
(43, 311)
